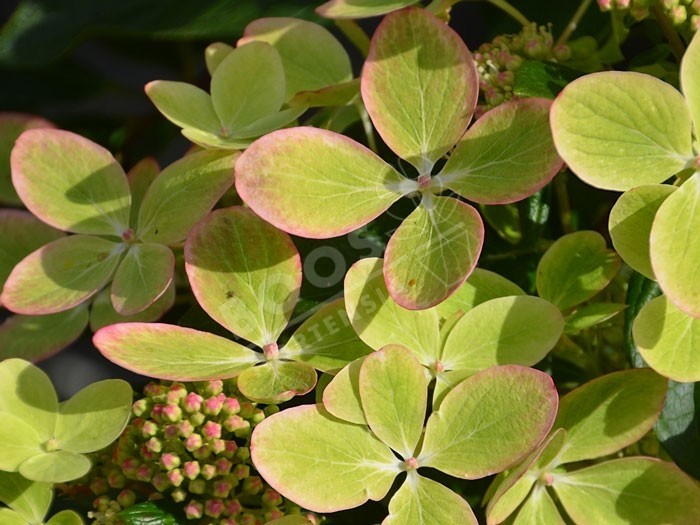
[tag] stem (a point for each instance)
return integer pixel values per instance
(564, 204)
(367, 125)
(669, 31)
(355, 34)
(573, 23)
(504, 6)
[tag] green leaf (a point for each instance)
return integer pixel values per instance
(542, 79)
(507, 155)
(481, 286)
(31, 500)
(312, 57)
(94, 417)
(575, 268)
(609, 413)
(35, 337)
(539, 509)
(20, 234)
(341, 397)
(172, 352)
(422, 500)
(10, 517)
(276, 381)
(102, 313)
(61, 275)
(184, 193)
(668, 340)
(20, 441)
(292, 519)
(433, 252)
(489, 421)
(70, 182)
(140, 178)
(350, 465)
(247, 85)
(517, 330)
(617, 130)
(142, 277)
(147, 513)
(591, 315)
(379, 321)
(631, 221)
(335, 95)
(27, 393)
(244, 272)
(360, 8)
(184, 105)
(623, 490)
(674, 246)
(394, 393)
(269, 123)
(416, 63)
(208, 140)
(214, 54)
(55, 467)
(65, 517)
(316, 183)
(326, 340)
(690, 80)
(12, 125)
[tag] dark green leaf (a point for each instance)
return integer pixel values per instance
(542, 79)
(147, 513)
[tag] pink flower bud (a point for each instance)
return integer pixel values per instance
(126, 498)
(252, 485)
(241, 471)
(171, 412)
(191, 469)
(157, 411)
(170, 460)
(154, 444)
(202, 452)
(273, 515)
(217, 446)
(161, 482)
(129, 466)
(271, 498)
(155, 390)
(185, 429)
(223, 466)
(170, 431)
(149, 429)
(214, 508)
(212, 406)
(230, 448)
(179, 495)
(116, 479)
(214, 387)
(176, 478)
(192, 403)
(211, 431)
(99, 486)
(221, 489)
(232, 507)
(141, 407)
(208, 471)
(194, 510)
(231, 406)
(193, 442)
(176, 392)
(144, 473)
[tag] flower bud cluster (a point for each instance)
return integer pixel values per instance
(190, 443)
(498, 61)
(684, 14)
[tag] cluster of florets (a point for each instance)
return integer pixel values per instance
(684, 14)
(499, 61)
(190, 443)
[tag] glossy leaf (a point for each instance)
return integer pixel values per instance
(19, 442)
(489, 421)
(36, 337)
(609, 413)
(140, 178)
(690, 80)
(575, 268)
(360, 8)
(674, 246)
(311, 56)
(20, 234)
(539, 509)
(27, 393)
(617, 130)
(591, 315)
(70, 182)
(172, 352)
(12, 125)
(350, 465)
(61, 275)
(102, 313)
(621, 491)
(517, 330)
(142, 277)
(247, 85)
(507, 155)
(326, 340)
(416, 63)
(94, 417)
(316, 183)
(631, 221)
(276, 381)
(341, 397)
(481, 286)
(422, 500)
(668, 340)
(30, 500)
(184, 105)
(184, 193)
(55, 467)
(433, 252)
(394, 393)
(379, 321)
(245, 273)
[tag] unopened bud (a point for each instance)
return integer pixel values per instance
(126, 498)
(194, 510)
(170, 461)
